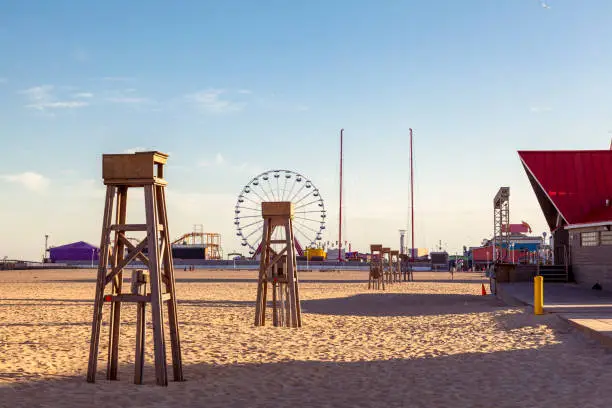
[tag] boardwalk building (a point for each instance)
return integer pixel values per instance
(574, 190)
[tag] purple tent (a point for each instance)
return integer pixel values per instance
(77, 251)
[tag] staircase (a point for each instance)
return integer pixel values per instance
(553, 273)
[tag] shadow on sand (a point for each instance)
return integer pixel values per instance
(401, 304)
(500, 379)
(219, 280)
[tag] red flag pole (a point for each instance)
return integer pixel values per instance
(340, 209)
(411, 201)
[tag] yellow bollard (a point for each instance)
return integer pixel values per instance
(538, 295)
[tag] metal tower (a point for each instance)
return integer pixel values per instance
(501, 223)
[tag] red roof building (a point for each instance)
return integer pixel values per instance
(574, 189)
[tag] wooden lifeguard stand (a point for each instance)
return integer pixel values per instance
(395, 265)
(376, 278)
(386, 259)
(278, 268)
(406, 267)
(121, 172)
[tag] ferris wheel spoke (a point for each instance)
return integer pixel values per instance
(304, 197)
(271, 190)
(251, 224)
(307, 204)
(284, 189)
(264, 191)
(254, 202)
(307, 219)
(247, 216)
(298, 192)
(295, 182)
(253, 232)
(307, 240)
(258, 196)
(308, 228)
(248, 208)
(308, 212)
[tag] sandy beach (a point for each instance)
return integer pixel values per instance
(429, 343)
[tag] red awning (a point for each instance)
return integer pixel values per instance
(576, 182)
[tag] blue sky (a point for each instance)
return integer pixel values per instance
(233, 88)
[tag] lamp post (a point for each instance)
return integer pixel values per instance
(46, 247)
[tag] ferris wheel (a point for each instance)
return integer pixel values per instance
(280, 185)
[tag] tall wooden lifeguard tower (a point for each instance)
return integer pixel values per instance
(376, 279)
(278, 268)
(121, 172)
(386, 260)
(394, 262)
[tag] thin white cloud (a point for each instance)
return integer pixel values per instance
(30, 180)
(84, 95)
(60, 105)
(219, 159)
(42, 98)
(540, 109)
(214, 101)
(245, 91)
(3, 80)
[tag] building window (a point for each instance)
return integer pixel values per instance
(589, 238)
(606, 237)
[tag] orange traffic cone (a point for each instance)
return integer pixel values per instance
(484, 291)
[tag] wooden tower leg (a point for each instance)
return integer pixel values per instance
(170, 286)
(139, 281)
(263, 272)
(100, 285)
(290, 273)
(141, 325)
(161, 374)
(296, 282)
(115, 314)
(275, 302)
(286, 307)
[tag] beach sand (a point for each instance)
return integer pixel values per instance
(429, 343)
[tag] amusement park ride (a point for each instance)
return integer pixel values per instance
(280, 186)
(209, 241)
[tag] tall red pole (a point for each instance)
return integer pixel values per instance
(411, 201)
(340, 210)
